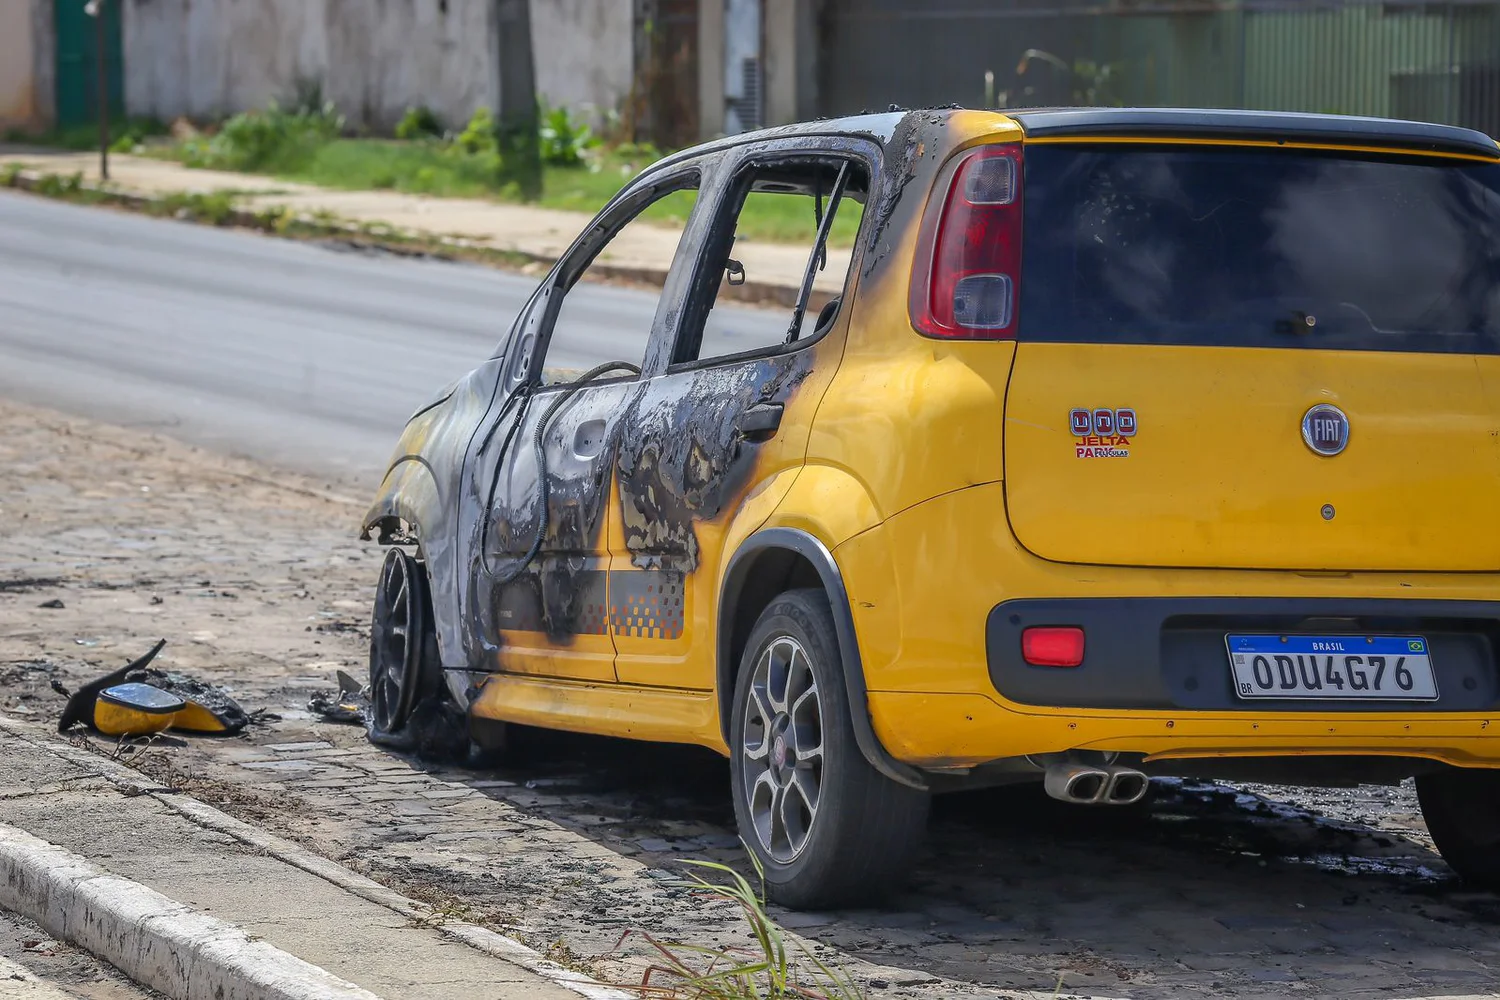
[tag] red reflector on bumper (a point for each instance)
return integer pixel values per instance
(1052, 647)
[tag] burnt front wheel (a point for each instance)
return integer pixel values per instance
(1462, 808)
(400, 641)
(827, 828)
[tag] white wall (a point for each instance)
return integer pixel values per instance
(204, 58)
(585, 52)
(207, 58)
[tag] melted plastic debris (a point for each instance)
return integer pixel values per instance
(347, 705)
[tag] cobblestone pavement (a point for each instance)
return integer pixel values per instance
(256, 582)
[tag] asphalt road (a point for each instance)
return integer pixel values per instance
(293, 353)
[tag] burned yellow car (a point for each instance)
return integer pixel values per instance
(1096, 444)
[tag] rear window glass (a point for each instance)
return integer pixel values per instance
(1260, 247)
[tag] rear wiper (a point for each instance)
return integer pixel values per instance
(1298, 322)
(1335, 318)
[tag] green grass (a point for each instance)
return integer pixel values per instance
(305, 145)
(426, 167)
(431, 167)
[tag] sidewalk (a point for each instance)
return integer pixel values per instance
(241, 906)
(539, 233)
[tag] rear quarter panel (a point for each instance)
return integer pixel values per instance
(908, 417)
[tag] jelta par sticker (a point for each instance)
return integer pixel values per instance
(1102, 433)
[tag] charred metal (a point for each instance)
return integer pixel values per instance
(675, 450)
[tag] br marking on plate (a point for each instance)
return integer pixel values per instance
(1101, 432)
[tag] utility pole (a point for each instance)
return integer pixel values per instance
(95, 9)
(516, 125)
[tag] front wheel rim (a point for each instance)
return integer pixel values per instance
(393, 637)
(782, 749)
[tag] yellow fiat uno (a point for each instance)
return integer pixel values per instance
(1135, 442)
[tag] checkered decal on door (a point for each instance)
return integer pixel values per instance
(646, 604)
(577, 604)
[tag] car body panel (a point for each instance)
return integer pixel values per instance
(551, 616)
(1243, 127)
(1218, 474)
(552, 619)
(624, 710)
(925, 643)
(420, 493)
(942, 731)
(688, 478)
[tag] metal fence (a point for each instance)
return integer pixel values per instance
(1418, 59)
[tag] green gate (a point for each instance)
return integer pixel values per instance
(78, 62)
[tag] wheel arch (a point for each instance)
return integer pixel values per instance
(768, 563)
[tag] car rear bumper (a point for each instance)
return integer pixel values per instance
(965, 730)
(939, 594)
(1169, 653)
(1156, 681)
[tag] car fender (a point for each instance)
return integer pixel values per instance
(824, 506)
(418, 499)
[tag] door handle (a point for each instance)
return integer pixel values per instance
(760, 422)
(588, 440)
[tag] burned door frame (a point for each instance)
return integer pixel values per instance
(689, 461)
(550, 618)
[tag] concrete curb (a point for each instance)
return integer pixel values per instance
(490, 942)
(751, 292)
(154, 940)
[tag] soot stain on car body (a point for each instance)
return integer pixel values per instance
(904, 152)
(562, 591)
(683, 458)
(679, 456)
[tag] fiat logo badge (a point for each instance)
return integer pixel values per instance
(1325, 428)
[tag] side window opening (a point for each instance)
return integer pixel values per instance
(777, 210)
(608, 304)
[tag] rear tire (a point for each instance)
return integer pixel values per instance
(827, 828)
(1462, 808)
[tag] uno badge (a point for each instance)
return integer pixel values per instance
(1102, 433)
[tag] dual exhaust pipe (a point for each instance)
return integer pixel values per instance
(1104, 784)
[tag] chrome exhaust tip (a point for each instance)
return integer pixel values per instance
(1077, 783)
(1108, 784)
(1127, 786)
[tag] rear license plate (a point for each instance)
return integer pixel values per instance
(1347, 667)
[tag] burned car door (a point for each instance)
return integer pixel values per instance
(717, 436)
(540, 474)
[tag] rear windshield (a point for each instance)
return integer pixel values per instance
(1260, 247)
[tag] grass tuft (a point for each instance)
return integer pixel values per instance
(767, 970)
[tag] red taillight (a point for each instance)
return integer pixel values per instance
(1052, 647)
(967, 279)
